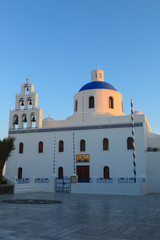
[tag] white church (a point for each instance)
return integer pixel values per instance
(92, 151)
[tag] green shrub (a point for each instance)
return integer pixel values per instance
(4, 182)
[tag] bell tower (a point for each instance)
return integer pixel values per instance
(26, 113)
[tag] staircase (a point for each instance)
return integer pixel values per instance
(26, 187)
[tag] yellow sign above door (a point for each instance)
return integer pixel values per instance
(82, 158)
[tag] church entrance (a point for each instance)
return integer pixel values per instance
(83, 173)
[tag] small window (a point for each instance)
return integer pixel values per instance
(82, 145)
(60, 172)
(76, 106)
(100, 75)
(129, 143)
(106, 172)
(95, 75)
(19, 173)
(111, 102)
(105, 144)
(91, 102)
(40, 150)
(61, 146)
(21, 147)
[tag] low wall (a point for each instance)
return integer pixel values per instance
(6, 189)
(11, 183)
(44, 184)
(114, 187)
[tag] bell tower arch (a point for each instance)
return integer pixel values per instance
(26, 114)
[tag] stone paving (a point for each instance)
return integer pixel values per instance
(80, 216)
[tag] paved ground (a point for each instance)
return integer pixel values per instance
(81, 216)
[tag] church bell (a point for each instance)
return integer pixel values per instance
(30, 101)
(24, 119)
(33, 119)
(22, 102)
(16, 120)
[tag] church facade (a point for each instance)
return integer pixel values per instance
(91, 151)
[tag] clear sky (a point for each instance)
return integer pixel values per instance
(57, 43)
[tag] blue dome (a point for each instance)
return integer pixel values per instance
(97, 85)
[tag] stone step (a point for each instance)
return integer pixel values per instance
(24, 188)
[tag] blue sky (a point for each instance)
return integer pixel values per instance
(57, 43)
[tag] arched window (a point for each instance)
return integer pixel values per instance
(106, 172)
(129, 143)
(40, 150)
(21, 147)
(105, 144)
(82, 145)
(19, 173)
(91, 102)
(76, 106)
(60, 172)
(111, 102)
(61, 146)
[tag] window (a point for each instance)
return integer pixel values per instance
(40, 150)
(95, 75)
(106, 172)
(61, 146)
(19, 173)
(82, 145)
(21, 147)
(91, 102)
(100, 75)
(76, 106)
(129, 143)
(111, 102)
(105, 144)
(60, 172)
(122, 106)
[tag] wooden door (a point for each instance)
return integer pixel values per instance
(83, 173)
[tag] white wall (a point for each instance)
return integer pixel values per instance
(101, 101)
(153, 172)
(118, 158)
(109, 188)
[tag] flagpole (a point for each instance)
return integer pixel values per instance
(133, 143)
